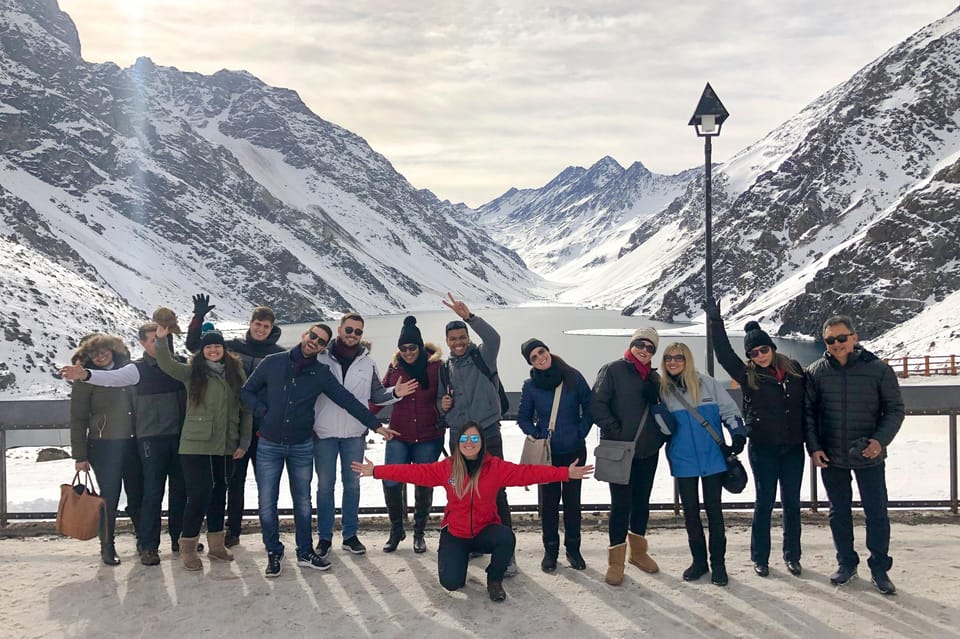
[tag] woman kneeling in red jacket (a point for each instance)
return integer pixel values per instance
(470, 520)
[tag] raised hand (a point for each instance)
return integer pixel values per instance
(712, 309)
(73, 372)
(364, 470)
(457, 306)
(162, 332)
(579, 472)
(402, 389)
(201, 304)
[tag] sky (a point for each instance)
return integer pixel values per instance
(469, 98)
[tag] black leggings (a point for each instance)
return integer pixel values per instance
(206, 480)
(115, 462)
(690, 498)
(569, 491)
(630, 503)
(454, 554)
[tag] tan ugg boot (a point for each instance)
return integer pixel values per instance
(216, 548)
(188, 553)
(615, 558)
(638, 554)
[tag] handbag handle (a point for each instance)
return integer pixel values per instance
(87, 481)
(697, 416)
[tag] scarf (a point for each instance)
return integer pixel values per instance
(548, 379)
(417, 370)
(643, 369)
(473, 465)
(299, 361)
(218, 368)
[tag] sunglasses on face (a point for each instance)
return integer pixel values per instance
(409, 348)
(758, 351)
(319, 340)
(473, 439)
(349, 330)
(674, 358)
(643, 345)
(839, 338)
(101, 354)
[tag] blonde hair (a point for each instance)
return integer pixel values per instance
(463, 483)
(780, 361)
(689, 376)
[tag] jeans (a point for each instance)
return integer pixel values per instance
(630, 503)
(454, 554)
(325, 452)
(115, 463)
(236, 485)
(550, 496)
(690, 498)
(206, 480)
(399, 452)
(271, 458)
(772, 465)
(160, 461)
(493, 443)
(873, 497)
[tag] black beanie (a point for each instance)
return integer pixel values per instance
(212, 337)
(527, 347)
(410, 334)
(755, 336)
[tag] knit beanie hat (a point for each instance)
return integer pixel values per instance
(212, 337)
(207, 326)
(755, 336)
(410, 334)
(528, 347)
(648, 333)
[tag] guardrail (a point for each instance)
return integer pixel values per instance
(21, 416)
(925, 365)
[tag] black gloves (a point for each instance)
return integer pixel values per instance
(739, 441)
(201, 304)
(712, 309)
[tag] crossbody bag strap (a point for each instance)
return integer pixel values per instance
(554, 411)
(697, 416)
(643, 422)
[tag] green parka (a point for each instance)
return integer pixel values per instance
(219, 425)
(97, 412)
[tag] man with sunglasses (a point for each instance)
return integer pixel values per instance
(282, 392)
(339, 434)
(853, 411)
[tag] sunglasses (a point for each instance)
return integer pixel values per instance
(319, 340)
(643, 345)
(409, 348)
(473, 439)
(759, 350)
(674, 358)
(839, 338)
(349, 330)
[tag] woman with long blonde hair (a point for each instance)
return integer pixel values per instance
(470, 522)
(694, 456)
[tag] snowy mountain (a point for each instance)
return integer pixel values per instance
(125, 189)
(849, 207)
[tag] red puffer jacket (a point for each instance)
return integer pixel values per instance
(468, 515)
(415, 416)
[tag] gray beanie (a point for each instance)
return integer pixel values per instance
(648, 333)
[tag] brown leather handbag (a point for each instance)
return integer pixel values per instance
(81, 508)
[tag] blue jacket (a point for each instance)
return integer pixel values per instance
(573, 415)
(285, 409)
(691, 451)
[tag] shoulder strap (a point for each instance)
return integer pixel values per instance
(643, 422)
(443, 373)
(697, 416)
(481, 364)
(556, 405)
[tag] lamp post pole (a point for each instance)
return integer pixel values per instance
(707, 194)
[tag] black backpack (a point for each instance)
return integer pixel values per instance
(482, 366)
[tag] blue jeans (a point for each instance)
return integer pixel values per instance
(773, 465)
(399, 452)
(325, 452)
(270, 460)
(873, 497)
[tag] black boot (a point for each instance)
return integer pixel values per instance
(572, 545)
(108, 552)
(396, 510)
(698, 548)
(550, 551)
(422, 501)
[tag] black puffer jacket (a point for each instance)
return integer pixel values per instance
(844, 403)
(773, 411)
(620, 397)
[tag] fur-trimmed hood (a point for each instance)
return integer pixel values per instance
(434, 352)
(97, 341)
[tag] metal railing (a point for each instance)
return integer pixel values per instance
(24, 416)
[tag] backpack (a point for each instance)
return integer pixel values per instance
(482, 366)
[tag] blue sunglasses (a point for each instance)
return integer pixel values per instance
(473, 439)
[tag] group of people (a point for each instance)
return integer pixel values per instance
(196, 423)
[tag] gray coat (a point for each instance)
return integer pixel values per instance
(475, 396)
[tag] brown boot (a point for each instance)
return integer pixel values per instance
(615, 558)
(188, 553)
(638, 554)
(216, 548)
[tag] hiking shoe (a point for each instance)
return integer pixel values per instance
(353, 545)
(511, 571)
(149, 558)
(323, 548)
(231, 540)
(843, 575)
(882, 582)
(274, 564)
(313, 560)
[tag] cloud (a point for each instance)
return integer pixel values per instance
(470, 98)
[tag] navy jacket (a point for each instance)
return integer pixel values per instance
(573, 415)
(284, 402)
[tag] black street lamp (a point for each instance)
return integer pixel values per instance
(707, 120)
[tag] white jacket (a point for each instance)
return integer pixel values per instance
(363, 381)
